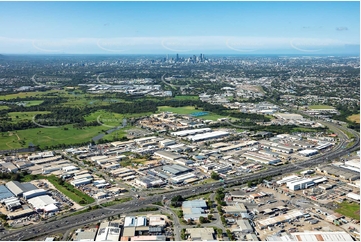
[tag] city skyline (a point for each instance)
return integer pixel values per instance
(180, 27)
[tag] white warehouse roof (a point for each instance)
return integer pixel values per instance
(210, 135)
(42, 201)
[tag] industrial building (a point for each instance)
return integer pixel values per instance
(292, 214)
(108, 231)
(184, 133)
(235, 209)
(166, 142)
(34, 193)
(167, 155)
(207, 136)
(341, 172)
(194, 209)
(300, 184)
(45, 203)
(200, 234)
(88, 235)
(18, 188)
(175, 170)
(243, 226)
(82, 181)
(182, 178)
(149, 181)
(308, 153)
(261, 158)
(312, 236)
(288, 179)
(5, 193)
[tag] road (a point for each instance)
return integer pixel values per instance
(124, 208)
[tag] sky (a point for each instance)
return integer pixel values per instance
(180, 27)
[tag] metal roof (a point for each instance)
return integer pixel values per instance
(5, 193)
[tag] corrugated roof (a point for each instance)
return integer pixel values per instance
(5, 193)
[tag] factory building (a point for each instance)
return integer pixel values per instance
(45, 203)
(208, 136)
(243, 226)
(292, 214)
(200, 234)
(194, 209)
(167, 155)
(312, 236)
(149, 181)
(5, 193)
(184, 133)
(82, 181)
(308, 153)
(182, 178)
(341, 172)
(108, 231)
(34, 193)
(175, 170)
(261, 158)
(300, 184)
(166, 143)
(18, 188)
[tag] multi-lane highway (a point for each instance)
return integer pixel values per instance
(122, 209)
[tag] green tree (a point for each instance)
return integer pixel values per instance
(202, 220)
(215, 176)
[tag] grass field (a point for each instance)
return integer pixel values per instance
(188, 110)
(351, 210)
(21, 116)
(354, 118)
(3, 107)
(30, 94)
(320, 107)
(71, 192)
(186, 98)
(33, 103)
(48, 136)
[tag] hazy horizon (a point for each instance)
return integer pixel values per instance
(281, 28)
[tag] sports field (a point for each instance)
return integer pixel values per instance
(320, 107)
(354, 118)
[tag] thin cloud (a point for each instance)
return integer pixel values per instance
(341, 28)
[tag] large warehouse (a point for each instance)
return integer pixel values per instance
(34, 193)
(292, 214)
(42, 202)
(207, 136)
(261, 158)
(5, 193)
(18, 188)
(190, 132)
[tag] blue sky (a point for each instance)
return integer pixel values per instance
(184, 27)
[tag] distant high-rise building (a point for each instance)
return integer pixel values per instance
(177, 58)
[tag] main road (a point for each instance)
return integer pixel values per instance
(47, 227)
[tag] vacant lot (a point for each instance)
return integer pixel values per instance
(351, 210)
(354, 118)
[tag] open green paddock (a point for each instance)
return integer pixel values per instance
(189, 97)
(3, 107)
(33, 103)
(187, 110)
(22, 116)
(320, 107)
(48, 136)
